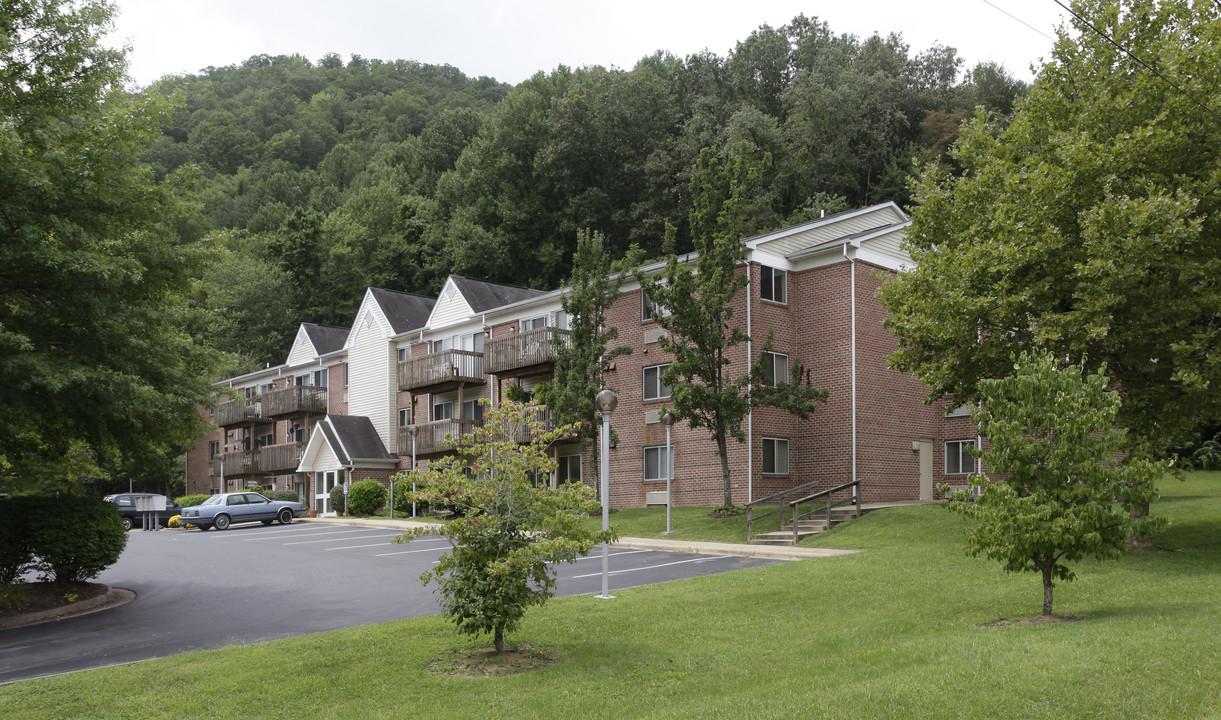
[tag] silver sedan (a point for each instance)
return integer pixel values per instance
(224, 509)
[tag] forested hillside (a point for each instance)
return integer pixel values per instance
(319, 180)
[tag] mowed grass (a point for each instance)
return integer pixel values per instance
(893, 632)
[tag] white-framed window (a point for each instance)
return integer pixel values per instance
(958, 458)
(213, 449)
(345, 374)
(320, 377)
(442, 409)
(654, 387)
(775, 369)
(404, 417)
(303, 379)
(264, 440)
(656, 462)
(404, 353)
(266, 387)
(569, 469)
(648, 308)
(442, 345)
(773, 284)
(250, 392)
(533, 323)
(472, 341)
(775, 456)
(472, 410)
(296, 433)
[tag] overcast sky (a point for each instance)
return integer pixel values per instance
(512, 40)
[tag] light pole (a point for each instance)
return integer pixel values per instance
(606, 401)
(668, 420)
(413, 430)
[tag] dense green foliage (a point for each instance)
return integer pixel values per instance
(98, 367)
(366, 497)
(64, 538)
(190, 500)
(321, 179)
(1090, 226)
(285, 495)
(511, 532)
(1058, 494)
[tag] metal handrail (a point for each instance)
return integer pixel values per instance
(854, 500)
(750, 506)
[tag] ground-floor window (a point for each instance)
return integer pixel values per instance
(958, 458)
(775, 456)
(324, 484)
(569, 469)
(656, 462)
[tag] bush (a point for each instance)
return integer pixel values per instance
(339, 501)
(285, 495)
(402, 499)
(189, 500)
(366, 497)
(74, 538)
(15, 552)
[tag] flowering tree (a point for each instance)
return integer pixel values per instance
(509, 528)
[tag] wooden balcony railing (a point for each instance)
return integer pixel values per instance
(523, 349)
(236, 412)
(267, 460)
(441, 368)
(294, 400)
(430, 437)
(520, 433)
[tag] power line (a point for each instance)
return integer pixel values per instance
(1142, 63)
(1032, 27)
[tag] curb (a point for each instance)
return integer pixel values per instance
(690, 547)
(112, 598)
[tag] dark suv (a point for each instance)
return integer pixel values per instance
(132, 517)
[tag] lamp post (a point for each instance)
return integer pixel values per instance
(606, 401)
(413, 430)
(668, 420)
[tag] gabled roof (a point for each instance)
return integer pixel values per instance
(353, 440)
(404, 311)
(483, 296)
(325, 338)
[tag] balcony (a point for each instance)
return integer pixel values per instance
(521, 433)
(430, 439)
(238, 412)
(267, 460)
(294, 400)
(524, 353)
(441, 371)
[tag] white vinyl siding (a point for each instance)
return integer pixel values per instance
(372, 374)
(838, 228)
(302, 351)
(451, 307)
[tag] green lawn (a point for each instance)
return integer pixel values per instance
(894, 632)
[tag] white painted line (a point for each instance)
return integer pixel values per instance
(650, 567)
(309, 533)
(409, 552)
(599, 557)
(312, 542)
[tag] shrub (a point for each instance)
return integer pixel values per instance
(402, 499)
(74, 538)
(15, 551)
(189, 500)
(366, 496)
(285, 495)
(339, 501)
(14, 596)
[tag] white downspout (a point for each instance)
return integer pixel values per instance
(852, 305)
(750, 409)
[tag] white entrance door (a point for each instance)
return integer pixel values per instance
(325, 483)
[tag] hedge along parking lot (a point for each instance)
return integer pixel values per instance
(198, 590)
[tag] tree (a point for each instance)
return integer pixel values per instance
(1058, 494)
(698, 298)
(509, 530)
(1090, 227)
(96, 351)
(582, 360)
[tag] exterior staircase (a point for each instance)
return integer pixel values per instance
(805, 527)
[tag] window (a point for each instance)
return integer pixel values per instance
(656, 465)
(296, 433)
(250, 392)
(569, 469)
(648, 308)
(302, 379)
(320, 378)
(472, 410)
(472, 341)
(345, 374)
(654, 387)
(958, 459)
(773, 284)
(775, 369)
(442, 345)
(266, 387)
(442, 409)
(264, 440)
(404, 353)
(404, 417)
(213, 449)
(533, 323)
(775, 456)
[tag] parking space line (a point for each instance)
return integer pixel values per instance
(353, 547)
(409, 552)
(311, 542)
(312, 534)
(599, 556)
(650, 567)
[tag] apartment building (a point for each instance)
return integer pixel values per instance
(350, 403)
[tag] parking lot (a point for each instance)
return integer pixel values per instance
(199, 590)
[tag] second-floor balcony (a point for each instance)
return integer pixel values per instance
(524, 352)
(433, 438)
(440, 371)
(237, 412)
(268, 460)
(294, 400)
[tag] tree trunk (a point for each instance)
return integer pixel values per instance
(723, 449)
(1047, 588)
(498, 639)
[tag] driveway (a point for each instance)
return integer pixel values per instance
(201, 590)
